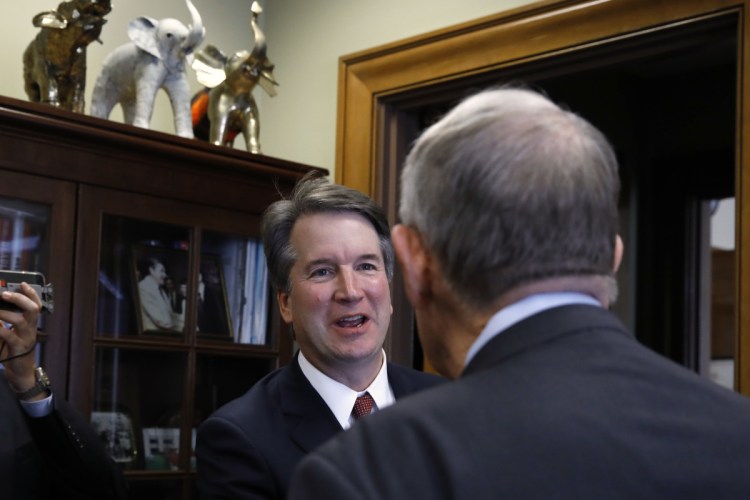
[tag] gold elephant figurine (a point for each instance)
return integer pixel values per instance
(226, 106)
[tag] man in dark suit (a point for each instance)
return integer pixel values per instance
(330, 261)
(509, 245)
(47, 451)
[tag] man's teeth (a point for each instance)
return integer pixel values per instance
(352, 321)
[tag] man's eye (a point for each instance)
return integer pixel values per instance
(320, 273)
(368, 267)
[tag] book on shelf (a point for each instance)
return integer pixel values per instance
(260, 299)
(20, 236)
(255, 293)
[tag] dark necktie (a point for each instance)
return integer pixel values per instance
(362, 406)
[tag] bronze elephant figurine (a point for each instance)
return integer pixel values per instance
(227, 104)
(54, 63)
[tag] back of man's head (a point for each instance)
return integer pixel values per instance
(508, 189)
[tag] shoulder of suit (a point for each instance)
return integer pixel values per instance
(256, 398)
(411, 374)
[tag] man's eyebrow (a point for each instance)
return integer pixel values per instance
(328, 261)
(318, 262)
(371, 256)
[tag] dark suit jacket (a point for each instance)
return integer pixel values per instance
(563, 405)
(53, 457)
(250, 447)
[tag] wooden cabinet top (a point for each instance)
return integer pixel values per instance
(56, 143)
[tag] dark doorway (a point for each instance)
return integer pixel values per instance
(667, 101)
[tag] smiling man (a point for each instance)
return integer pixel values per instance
(330, 259)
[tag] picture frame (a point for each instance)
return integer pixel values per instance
(161, 448)
(214, 320)
(118, 434)
(160, 289)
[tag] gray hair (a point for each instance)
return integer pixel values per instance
(507, 189)
(312, 195)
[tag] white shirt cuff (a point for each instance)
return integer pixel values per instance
(36, 409)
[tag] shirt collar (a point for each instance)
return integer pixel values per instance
(340, 398)
(528, 306)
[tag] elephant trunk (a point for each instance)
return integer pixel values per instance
(197, 31)
(259, 45)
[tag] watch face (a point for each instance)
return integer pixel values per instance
(41, 376)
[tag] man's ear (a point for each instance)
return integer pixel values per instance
(414, 260)
(285, 306)
(619, 250)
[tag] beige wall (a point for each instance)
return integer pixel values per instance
(305, 40)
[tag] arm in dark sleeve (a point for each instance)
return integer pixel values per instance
(74, 459)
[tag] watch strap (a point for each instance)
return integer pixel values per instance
(42, 385)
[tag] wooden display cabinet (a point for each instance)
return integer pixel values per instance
(88, 202)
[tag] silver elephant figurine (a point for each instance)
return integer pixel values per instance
(229, 105)
(154, 59)
(54, 63)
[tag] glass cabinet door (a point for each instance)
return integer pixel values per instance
(36, 236)
(138, 405)
(142, 276)
(24, 247)
(180, 323)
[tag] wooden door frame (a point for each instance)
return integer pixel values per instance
(368, 79)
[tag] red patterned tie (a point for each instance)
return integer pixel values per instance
(362, 406)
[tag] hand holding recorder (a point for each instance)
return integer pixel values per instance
(20, 305)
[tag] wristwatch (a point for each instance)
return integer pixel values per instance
(42, 385)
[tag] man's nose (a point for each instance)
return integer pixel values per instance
(348, 288)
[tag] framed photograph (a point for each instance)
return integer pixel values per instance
(118, 434)
(213, 312)
(161, 448)
(160, 282)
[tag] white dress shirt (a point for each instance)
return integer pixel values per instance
(517, 311)
(340, 398)
(40, 408)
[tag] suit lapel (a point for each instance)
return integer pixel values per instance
(307, 416)
(543, 327)
(400, 381)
